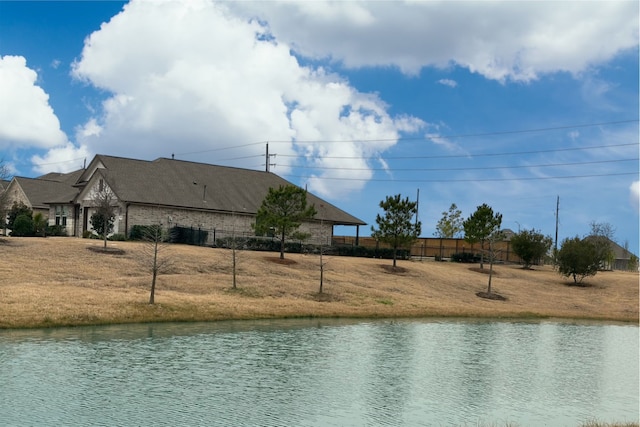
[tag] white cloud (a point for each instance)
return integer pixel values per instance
(26, 118)
(634, 190)
(190, 76)
(448, 82)
(500, 40)
(64, 158)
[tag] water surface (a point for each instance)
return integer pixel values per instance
(321, 373)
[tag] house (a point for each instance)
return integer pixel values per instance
(171, 192)
(35, 192)
(623, 259)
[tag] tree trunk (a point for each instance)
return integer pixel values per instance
(482, 255)
(153, 287)
(282, 245)
(155, 270)
(395, 251)
(105, 240)
(234, 263)
(490, 274)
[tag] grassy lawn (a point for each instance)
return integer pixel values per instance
(59, 281)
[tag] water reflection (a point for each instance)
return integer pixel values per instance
(320, 373)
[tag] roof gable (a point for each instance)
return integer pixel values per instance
(41, 192)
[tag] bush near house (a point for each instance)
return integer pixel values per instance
(466, 257)
(23, 226)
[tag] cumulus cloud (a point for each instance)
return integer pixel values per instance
(26, 118)
(190, 76)
(448, 82)
(634, 190)
(64, 158)
(513, 40)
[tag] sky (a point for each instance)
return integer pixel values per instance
(529, 107)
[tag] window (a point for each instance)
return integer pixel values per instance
(61, 215)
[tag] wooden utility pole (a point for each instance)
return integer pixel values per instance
(557, 212)
(268, 159)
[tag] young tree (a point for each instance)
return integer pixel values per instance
(450, 225)
(530, 246)
(397, 227)
(103, 219)
(282, 212)
(493, 254)
(480, 225)
(578, 258)
(154, 256)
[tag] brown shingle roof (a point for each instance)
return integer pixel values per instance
(68, 178)
(40, 192)
(185, 184)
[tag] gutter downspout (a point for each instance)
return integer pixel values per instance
(126, 219)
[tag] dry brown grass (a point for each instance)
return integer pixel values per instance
(58, 281)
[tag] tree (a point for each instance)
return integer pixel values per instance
(397, 227)
(602, 234)
(17, 209)
(530, 246)
(103, 225)
(578, 258)
(495, 236)
(153, 256)
(282, 212)
(450, 225)
(480, 225)
(103, 219)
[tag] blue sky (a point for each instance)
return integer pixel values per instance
(513, 104)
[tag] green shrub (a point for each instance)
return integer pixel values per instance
(55, 230)
(88, 234)
(140, 232)
(466, 257)
(23, 226)
(118, 237)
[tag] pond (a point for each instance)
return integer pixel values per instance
(321, 373)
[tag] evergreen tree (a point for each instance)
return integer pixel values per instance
(282, 212)
(480, 225)
(396, 227)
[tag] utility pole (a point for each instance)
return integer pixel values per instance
(417, 206)
(557, 212)
(268, 159)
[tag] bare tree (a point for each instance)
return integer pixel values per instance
(322, 237)
(154, 256)
(493, 253)
(104, 201)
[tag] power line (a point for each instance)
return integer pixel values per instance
(451, 156)
(463, 180)
(466, 168)
(466, 135)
